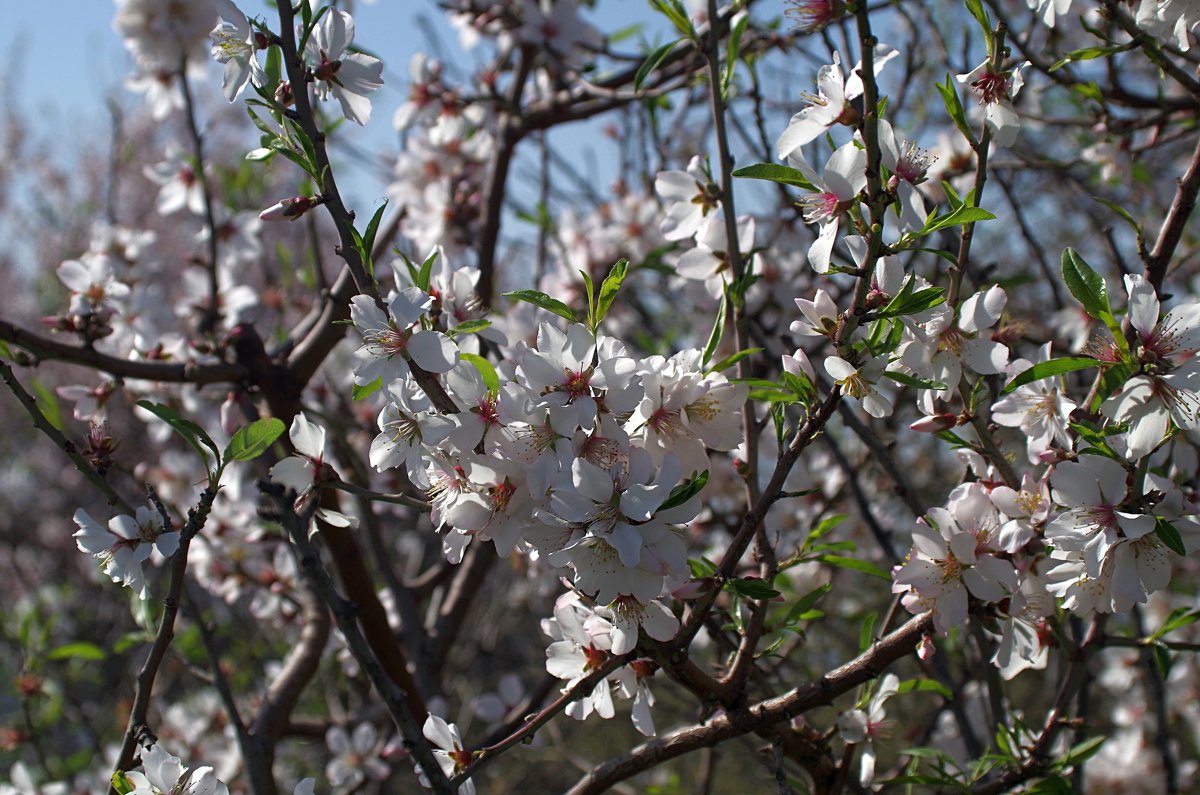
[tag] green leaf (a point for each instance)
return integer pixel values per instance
(120, 782)
(540, 299)
(1050, 369)
(485, 368)
(1085, 285)
(718, 331)
(732, 359)
(866, 631)
(131, 639)
(822, 529)
(253, 440)
(963, 215)
(368, 238)
(975, 7)
(702, 567)
(1087, 54)
(773, 172)
(591, 300)
(799, 385)
(1169, 536)
(731, 59)
(855, 564)
(674, 11)
(685, 491)
(425, 275)
(1122, 212)
(1082, 752)
(954, 107)
(752, 588)
(908, 302)
(366, 390)
(806, 603)
(1179, 617)
(651, 63)
(47, 401)
(79, 650)
(193, 433)
(469, 327)
(913, 381)
(922, 685)
(609, 287)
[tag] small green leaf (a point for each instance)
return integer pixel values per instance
(685, 491)
(253, 440)
(193, 433)
(651, 63)
(470, 327)
(718, 331)
(732, 359)
(855, 564)
(540, 299)
(806, 603)
(1122, 212)
(702, 567)
(1049, 370)
(590, 289)
(823, 528)
(120, 782)
(366, 390)
(867, 630)
(368, 237)
(923, 685)
(963, 215)
(675, 11)
(47, 401)
(913, 381)
(608, 289)
(1081, 752)
(1180, 617)
(1169, 536)
(1085, 284)
(909, 302)
(731, 59)
(79, 650)
(752, 588)
(425, 275)
(954, 107)
(1087, 54)
(485, 368)
(773, 172)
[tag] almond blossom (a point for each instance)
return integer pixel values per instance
(348, 75)
(996, 90)
(838, 186)
(1041, 410)
(863, 726)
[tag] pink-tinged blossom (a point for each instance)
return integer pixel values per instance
(557, 26)
(1040, 409)
(125, 545)
(1167, 389)
(1023, 639)
(810, 16)
(289, 209)
(1170, 18)
(1048, 10)
(448, 749)
(181, 185)
(161, 35)
(953, 555)
(355, 757)
(820, 316)
(93, 283)
(406, 426)
(909, 164)
(1092, 490)
(996, 91)
(166, 775)
(864, 726)
(390, 340)
(234, 44)
(495, 506)
(859, 382)
(307, 470)
(832, 104)
(688, 197)
(1027, 511)
(845, 175)
(348, 75)
(943, 345)
(709, 261)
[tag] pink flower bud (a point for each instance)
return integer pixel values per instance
(925, 648)
(290, 209)
(693, 588)
(934, 423)
(229, 414)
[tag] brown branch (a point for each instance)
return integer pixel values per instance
(52, 350)
(772, 711)
(1173, 225)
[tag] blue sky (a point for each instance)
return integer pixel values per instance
(68, 60)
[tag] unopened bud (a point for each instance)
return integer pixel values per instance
(290, 209)
(1052, 456)
(694, 588)
(925, 648)
(229, 414)
(283, 94)
(934, 423)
